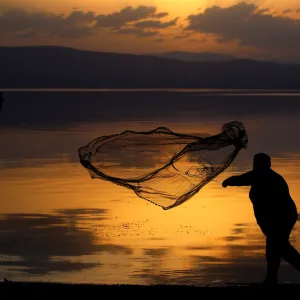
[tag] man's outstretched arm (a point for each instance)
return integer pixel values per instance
(239, 180)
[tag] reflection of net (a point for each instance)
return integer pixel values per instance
(161, 166)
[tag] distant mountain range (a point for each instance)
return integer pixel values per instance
(194, 56)
(59, 67)
(208, 57)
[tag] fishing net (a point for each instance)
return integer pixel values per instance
(161, 166)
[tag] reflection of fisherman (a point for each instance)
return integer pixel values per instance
(275, 212)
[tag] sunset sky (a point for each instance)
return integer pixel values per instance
(257, 29)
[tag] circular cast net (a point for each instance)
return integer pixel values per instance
(161, 166)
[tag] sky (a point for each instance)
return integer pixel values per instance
(256, 29)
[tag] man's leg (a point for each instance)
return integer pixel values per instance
(292, 256)
(277, 232)
(273, 260)
(288, 252)
(272, 253)
(278, 245)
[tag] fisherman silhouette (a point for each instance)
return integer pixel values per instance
(274, 210)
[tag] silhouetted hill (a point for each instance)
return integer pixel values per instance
(58, 67)
(194, 56)
(210, 57)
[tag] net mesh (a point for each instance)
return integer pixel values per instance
(161, 166)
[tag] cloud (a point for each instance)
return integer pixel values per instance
(77, 17)
(182, 36)
(28, 24)
(263, 10)
(77, 24)
(136, 31)
(287, 11)
(155, 24)
(160, 15)
(75, 32)
(125, 16)
(247, 24)
(198, 40)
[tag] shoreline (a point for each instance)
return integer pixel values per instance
(49, 287)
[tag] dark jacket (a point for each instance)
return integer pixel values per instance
(269, 195)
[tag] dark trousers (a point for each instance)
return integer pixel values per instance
(277, 232)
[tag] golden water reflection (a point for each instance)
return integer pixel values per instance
(58, 224)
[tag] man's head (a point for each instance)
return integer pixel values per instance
(261, 161)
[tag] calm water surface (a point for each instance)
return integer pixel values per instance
(57, 224)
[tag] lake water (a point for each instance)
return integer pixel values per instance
(57, 224)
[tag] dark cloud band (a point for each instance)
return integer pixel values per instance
(129, 20)
(248, 24)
